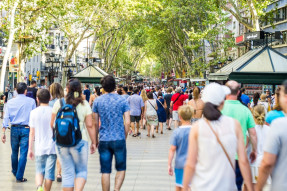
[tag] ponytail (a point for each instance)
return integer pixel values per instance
(211, 112)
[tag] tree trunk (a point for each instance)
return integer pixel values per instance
(9, 45)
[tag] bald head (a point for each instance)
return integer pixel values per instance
(234, 87)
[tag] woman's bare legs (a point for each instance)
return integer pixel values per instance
(161, 128)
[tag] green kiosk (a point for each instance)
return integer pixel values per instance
(257, 70)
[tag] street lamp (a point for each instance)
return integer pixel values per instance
(53, 63)
(68, 69)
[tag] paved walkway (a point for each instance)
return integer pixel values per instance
(146, 167)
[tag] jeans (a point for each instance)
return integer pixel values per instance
(74, 161)
(239, 178)
(45, 165)
(109, 148)
(19, 139)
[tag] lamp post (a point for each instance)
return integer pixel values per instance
(68, 69)
(52, 63)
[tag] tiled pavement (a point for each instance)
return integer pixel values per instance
(146, 167)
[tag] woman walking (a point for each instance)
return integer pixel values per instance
(94, 96)
(151, 114)
(261, 132)
(255, 100)
(167, 98)
(161, 105)
(57, 92)
(144, 97)
(213, 143)
(74, 159)
(277, 112)
(197, 104)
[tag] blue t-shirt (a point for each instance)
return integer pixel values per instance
(245, 99)
(136, 103)
(272, 115)
(126, 96)
(111, 108)
(87, 93)
(179, 139)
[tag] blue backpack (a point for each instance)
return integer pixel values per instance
(67, 132)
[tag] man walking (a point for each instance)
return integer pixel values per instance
(137, 108)
(233, 108)
(32, 91)
(87, 92)
(17, 112)
(177, 100)
(275, 150)
(244, 98)
(113, 132)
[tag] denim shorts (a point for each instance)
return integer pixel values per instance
(178, 177)
(109, 148)
(45, 165)
(74, 161)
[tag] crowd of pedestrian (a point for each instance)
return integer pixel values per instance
(221, 139)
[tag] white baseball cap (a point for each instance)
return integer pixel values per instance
(215, 93)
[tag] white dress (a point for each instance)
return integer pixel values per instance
(213, 170)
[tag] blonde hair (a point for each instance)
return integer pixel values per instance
(263, 97)
(169, 90)
(56, 91)
(259, 114)
(143, 95)
(185, 112)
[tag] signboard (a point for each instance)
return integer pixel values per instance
(13, 64)
(239, 39)
(254, 35)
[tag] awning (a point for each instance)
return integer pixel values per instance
(91, 74)
(198, 80)
(271, 78)
(264, 61)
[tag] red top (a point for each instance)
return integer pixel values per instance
(179, 101)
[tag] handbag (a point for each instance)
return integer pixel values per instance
(161, 103)
(220, 143)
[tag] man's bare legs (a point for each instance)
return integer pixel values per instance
(138, 127)
(175, 124)
(133, 127)
(119, 179)
(105, 182)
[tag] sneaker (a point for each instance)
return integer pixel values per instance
(40, 188)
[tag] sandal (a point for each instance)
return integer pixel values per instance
(148, 135)
(169, 128)
(59, 178)
(161, 132)
(134, 135)
(153, 136)
(23, 180)
(138, 134)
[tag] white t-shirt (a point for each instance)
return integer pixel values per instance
(40, 119)
(261, 132)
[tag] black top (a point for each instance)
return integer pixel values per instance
(167, 98)
(32, 93)
(6, 96)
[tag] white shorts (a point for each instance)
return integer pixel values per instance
(175, 116)
(255, 173)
